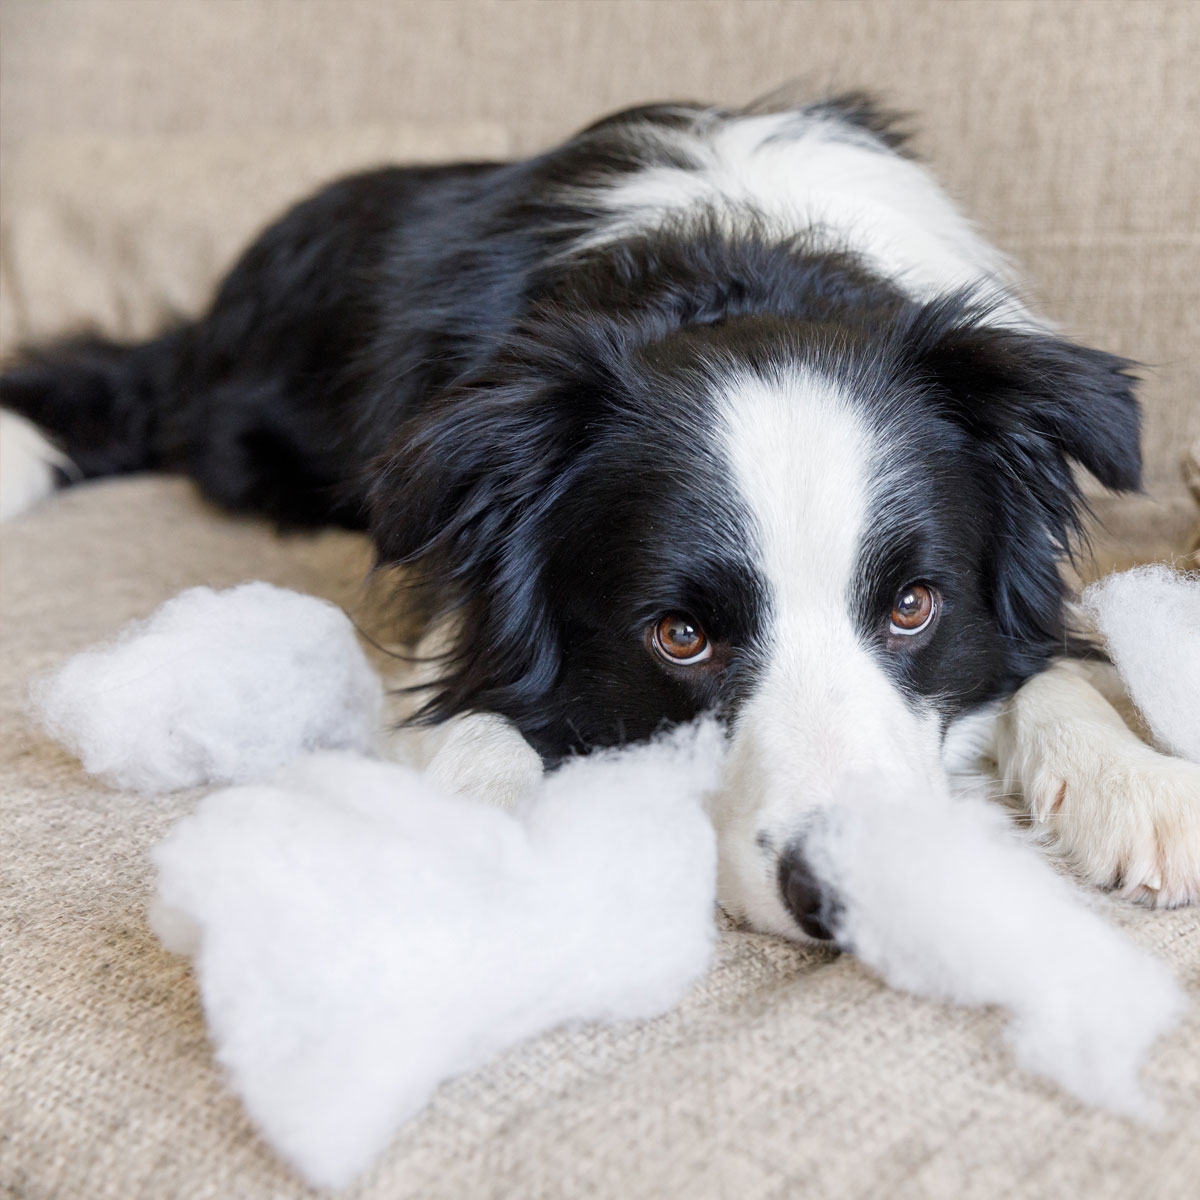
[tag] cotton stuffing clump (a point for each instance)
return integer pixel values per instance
(359, 935)
(214, 687)
(942, 899)
(360, 932)
(1150, 620)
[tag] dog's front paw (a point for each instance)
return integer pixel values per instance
(484, 756)
(1126, 818)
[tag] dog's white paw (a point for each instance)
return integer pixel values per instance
(1120, 813)
(27, 465)
(484, 756)
(1126, 818)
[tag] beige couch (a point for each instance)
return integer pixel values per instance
(141, 141)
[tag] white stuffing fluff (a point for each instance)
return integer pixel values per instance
(360, 933)
(360, 936)
(1150, 619)
(942, 899)
(214, 687)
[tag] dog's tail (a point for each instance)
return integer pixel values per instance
(91, 407)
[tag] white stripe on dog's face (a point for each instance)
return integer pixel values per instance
(824, 710)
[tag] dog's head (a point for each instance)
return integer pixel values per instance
(837, 524)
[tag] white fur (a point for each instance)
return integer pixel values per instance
(804, 464)
(1115, 809)
(969, 749)
(801, 173)
(215, 687)
(1149, 617)
(27, 465)
(483, 756)
(359, 935)
(940, 898)
(479, 755)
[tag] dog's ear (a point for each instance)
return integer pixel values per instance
(451, 482)
(481, 462)
(1034, 405)
(461, 499)
(1042, 398)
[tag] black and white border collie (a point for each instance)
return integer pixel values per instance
(702, 411)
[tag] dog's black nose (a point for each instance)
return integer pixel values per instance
(806, 898)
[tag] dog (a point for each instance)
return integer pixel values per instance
(703, 411)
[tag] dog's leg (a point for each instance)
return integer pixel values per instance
(1120, 813)
(480, 755)
(29, 465)
(484, 756)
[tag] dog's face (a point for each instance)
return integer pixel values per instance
(838, 538)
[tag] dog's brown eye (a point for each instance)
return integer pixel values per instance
(679, 640)
(914, 608)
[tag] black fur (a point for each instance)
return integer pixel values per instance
(532, 432)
